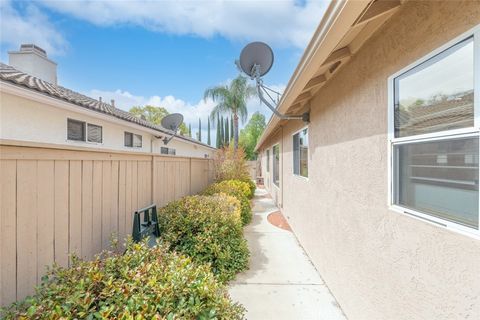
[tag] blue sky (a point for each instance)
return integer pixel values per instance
(164, 53)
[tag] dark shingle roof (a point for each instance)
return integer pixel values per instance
(12, 75)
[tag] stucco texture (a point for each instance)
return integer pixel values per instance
(379, 264)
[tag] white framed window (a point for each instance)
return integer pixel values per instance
(276, 164)
(75, 130)
(268, 160)
(300, 153)
(433, 138)
(94, 133)
(170, 151)
(133, 140)
(82, 131)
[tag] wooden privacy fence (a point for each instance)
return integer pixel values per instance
(55, 202)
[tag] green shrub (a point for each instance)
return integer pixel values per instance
(237, 189)
(209, 230)
(230, 164)
(144, 283)
(251, 185)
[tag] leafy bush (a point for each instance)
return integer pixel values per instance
(144, 283)
(251, 185)
(230, 165)
(209, 230)
(237, 189)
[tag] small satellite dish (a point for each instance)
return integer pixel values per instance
(171, 122)
(256, 57)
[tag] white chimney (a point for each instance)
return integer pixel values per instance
(33, 60)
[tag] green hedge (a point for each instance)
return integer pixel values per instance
(144, 283)
(237, 189)
(209, 230)
(251, 185)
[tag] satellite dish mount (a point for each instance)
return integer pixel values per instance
(171, 122)
(256, 59)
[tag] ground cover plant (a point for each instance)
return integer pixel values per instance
(237, 189)
(209, 230)
(144, 283)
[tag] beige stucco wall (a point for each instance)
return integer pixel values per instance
(29, 120)
(379, 264)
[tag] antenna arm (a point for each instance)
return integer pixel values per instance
(167, 140)
(271, 107)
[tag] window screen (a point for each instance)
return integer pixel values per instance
(439, 178)
(276, 165)
(94, 133)
(75, 130)
(137, 141)
(163, 150)
(128, 139)
(268, 160)
(300, 153)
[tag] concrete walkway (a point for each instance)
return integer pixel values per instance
(281, 283)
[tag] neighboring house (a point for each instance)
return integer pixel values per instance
(381, 187)
(35, 109)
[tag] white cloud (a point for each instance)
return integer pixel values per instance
(191, 112)
(283, 22)
(29, 26)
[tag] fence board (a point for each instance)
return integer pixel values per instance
(26, 227)
(87, 209)
(45, 212)
(114, 202)
(128, 197)
(106, 203)
(75, 208)
(8, 231)
(135, 204)
(61, 212)
(122, 232)
(97, 206)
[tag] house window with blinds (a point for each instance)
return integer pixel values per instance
(133, 140)
(165, 150)
(94, 133)
(300, 153)
(75, 130)
(434, 138)
(82, 131)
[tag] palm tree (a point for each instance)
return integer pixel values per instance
(231, 99)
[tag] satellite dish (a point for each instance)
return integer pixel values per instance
(256, 57)
(171, 122)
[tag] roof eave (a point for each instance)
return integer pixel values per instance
(336, 22)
